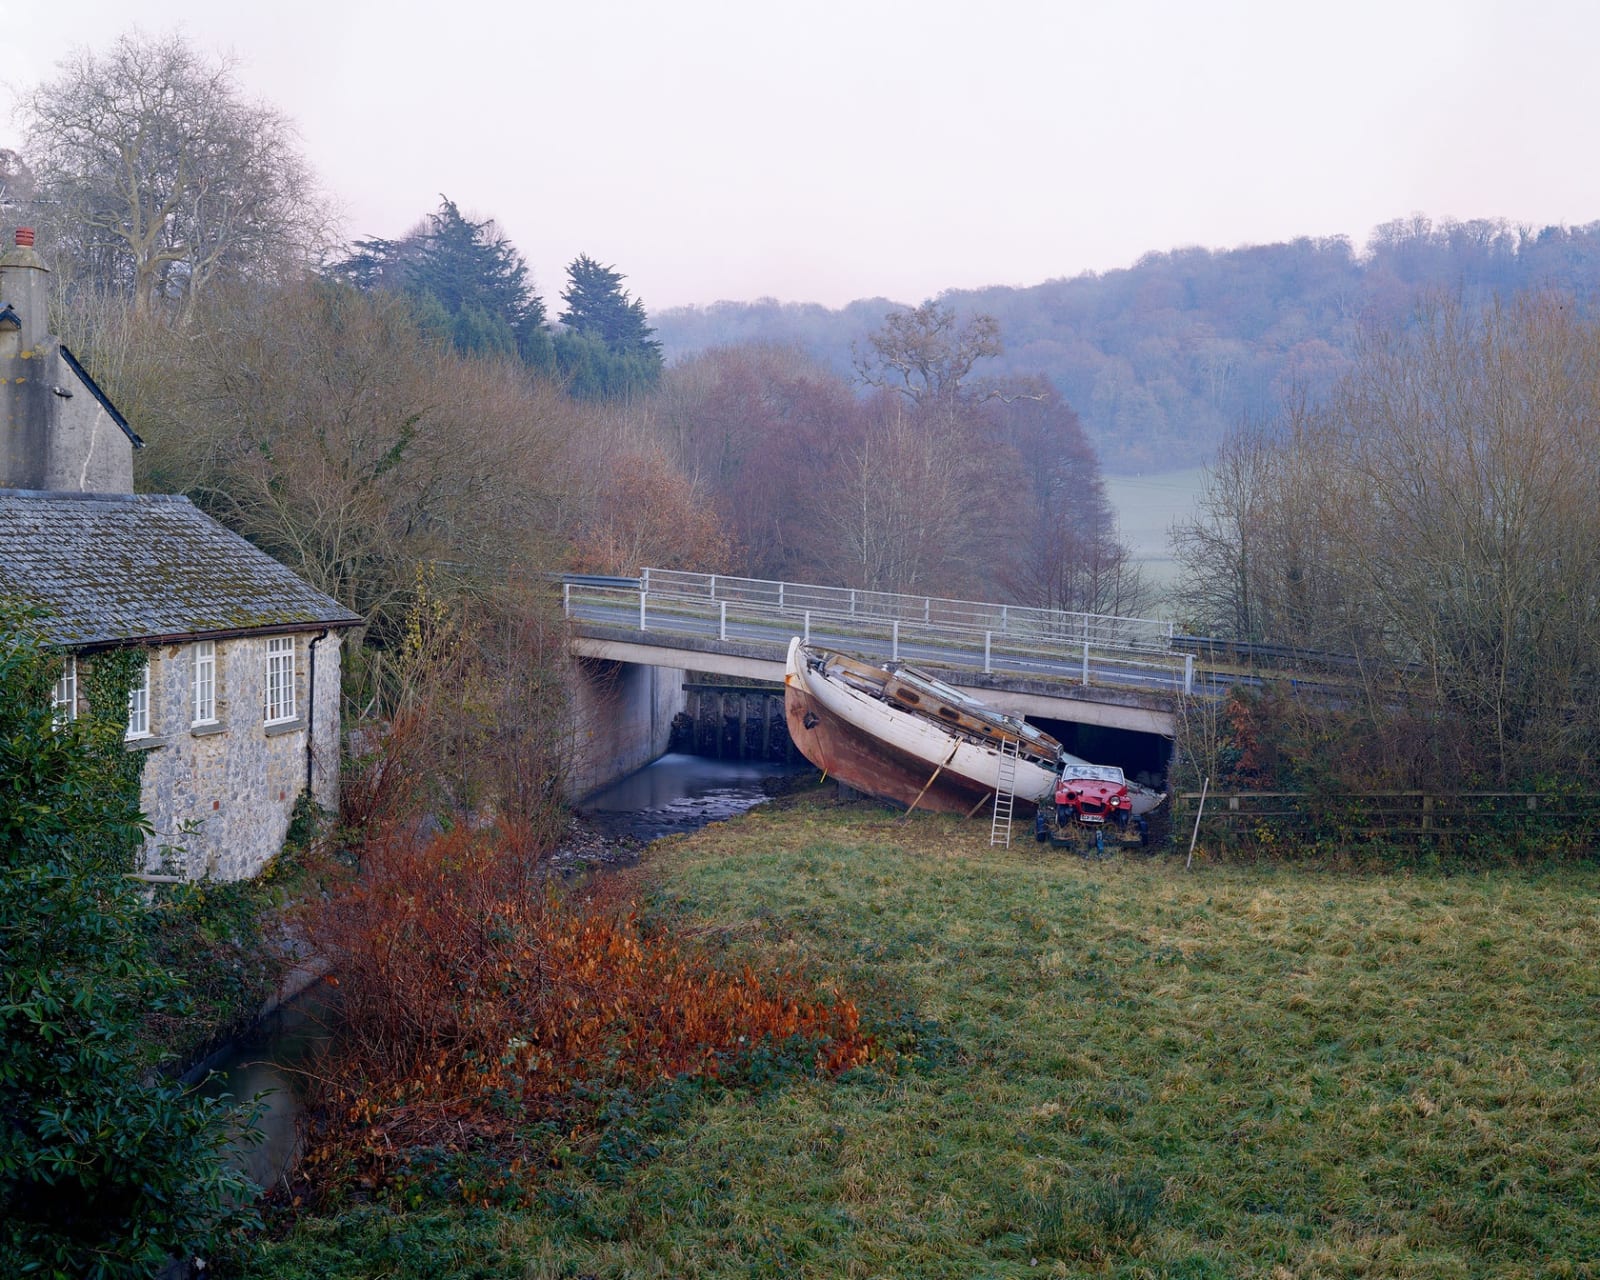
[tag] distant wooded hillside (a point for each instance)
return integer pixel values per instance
(1161, 359)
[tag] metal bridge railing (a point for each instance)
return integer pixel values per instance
(1014, 622)
(949, 638)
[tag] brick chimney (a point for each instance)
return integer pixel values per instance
(58, 432)
(25, 288)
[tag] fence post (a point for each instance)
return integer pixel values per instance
(713, 586)
(780, 595)
(894, 647)
(644, 580)
(722, 628)
(1188, 673)
(566, 599)
(807, 639)
(642, 596)
(927, 610)
(1204, 787)
(987, 668)
(852, 602)
(1085, 662)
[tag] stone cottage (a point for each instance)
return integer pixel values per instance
(237, 708)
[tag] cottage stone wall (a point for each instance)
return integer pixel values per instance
(220, 796)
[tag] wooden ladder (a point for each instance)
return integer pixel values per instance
(1005, 794)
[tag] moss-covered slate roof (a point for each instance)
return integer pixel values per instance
(113, 568)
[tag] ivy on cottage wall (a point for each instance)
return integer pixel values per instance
(107, 679)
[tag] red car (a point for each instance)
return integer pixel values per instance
(1092, 794)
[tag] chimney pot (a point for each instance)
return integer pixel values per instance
(25, 237)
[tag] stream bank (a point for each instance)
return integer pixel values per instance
(674, 795)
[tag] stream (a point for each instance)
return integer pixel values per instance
(677, 793)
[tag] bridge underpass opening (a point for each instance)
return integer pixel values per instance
(734, 721)
(726, 721)
(1143, 757)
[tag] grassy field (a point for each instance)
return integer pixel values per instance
(1107, 1068)
(1146, 507)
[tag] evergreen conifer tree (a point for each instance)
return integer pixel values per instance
(471, 271)
(608, 350)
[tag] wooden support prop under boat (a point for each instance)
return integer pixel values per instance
(931, 779)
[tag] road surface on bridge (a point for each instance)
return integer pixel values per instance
(962, 653)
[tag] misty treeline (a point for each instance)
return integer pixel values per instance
(941, 479)
(1162, 359)
(1430, 526)
(360, 410)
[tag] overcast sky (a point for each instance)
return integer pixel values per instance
(827, 151)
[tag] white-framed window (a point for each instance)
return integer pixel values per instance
(205, 682)
(64, 698)
(280, 679)
(139, 704)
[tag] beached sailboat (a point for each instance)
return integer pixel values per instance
(903, 736)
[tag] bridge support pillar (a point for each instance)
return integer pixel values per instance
(622, 720)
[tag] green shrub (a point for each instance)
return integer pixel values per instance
(105, 1169)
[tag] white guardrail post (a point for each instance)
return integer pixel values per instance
(1085, 662)
(807, 639)
(894, 647)
(1188, 673)
(987, 668)
(722, 625)
(566, 599)
(642, 596)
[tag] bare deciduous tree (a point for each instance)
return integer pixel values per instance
(1258, 558)
(340, 441)
(16, 181)
(157, 176)
(924, 355)
(1436, 520)
(908, 508)
(645, 511)
(1066, 553)
(757, 428)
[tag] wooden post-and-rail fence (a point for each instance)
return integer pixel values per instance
(1401, 817)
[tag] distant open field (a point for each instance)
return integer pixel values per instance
(1113, 1068)
(1146, 507)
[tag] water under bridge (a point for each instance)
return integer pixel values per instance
(1095, 671)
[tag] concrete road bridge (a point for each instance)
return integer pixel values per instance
(1094, 670)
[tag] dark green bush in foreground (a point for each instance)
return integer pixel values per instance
(105, 1169)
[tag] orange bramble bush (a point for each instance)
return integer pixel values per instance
(476, 995)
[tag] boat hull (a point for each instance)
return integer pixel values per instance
(892, 754)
